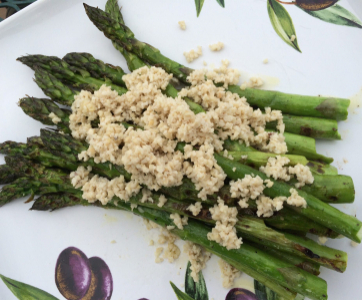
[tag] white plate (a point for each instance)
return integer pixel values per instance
(330, 64)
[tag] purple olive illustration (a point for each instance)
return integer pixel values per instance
(311, 5)
(101, 286)
(240, 294)
(73, 273)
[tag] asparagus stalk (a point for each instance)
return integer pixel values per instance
(6, 174)
(250, 228)
(309, 126)
(342, 190)
(323, 107)
(62, 70)
(316, 210)
(40, 109)
(302, 281)
(285, 219)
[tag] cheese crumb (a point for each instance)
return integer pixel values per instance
(152, 242)
(234, 169)
(149, 224)
(322, 240)
(161, 201)
(303, 173)
(228, 273)
(113, 242)
(254, 82)
(268, 183)
(198, 258)
(192, 55)
(195, 208)
(224, 232)
(354, 244)
(178, 221)
(292, 38)
(248, 187)
(295, 200)
(275, 168)
(265, 61)
(182, 25)
(216, 47)
(55, 119)
(172, 252)
(170, 227)
(158, 253)
(204, 63)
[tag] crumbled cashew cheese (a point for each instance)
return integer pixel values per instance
(198, 258)
(228, 274)
(55, 119)
(192, 55)
(161, 201)
(216, 47)
(224, 232)
(182, 25)
(195, 208)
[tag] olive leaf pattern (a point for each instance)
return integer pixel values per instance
(24, 291)
(336, 14)
(325, 10)
(264, 293)
(282, 23)
(196, 290)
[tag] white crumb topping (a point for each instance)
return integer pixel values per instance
(275, 168)
(158, 253)
(182, 25)
(322, 240)
(172, 252)
(150, 225)
(234, 169)
(216, 47)
(133, 206)
(265, 61)
(354, 244)
(195, 208)
(170, 227)
(178, 221)
(295, 200)
(80, 176)
(204, 63)
(228, 273)
(224, 232)
(223, 75)
(203, 170)
(151, 243)
(166, 237)
(198, 258)
(266, 206)
(253, 82)
(161, 201)
(303, 173)
(55, 119)
(292, 38)
(193, 54)
(268, 183)
(248, 188)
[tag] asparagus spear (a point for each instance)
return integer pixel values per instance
(62, 70)
(316, 210)
(309, 126)
(254, 259)
(336, 190)
(306, 126)
(324, 107)
(40, 109)
(6, 174)
(250, 228)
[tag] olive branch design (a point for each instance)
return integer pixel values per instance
(325, 10)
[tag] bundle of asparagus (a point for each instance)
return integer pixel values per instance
(275, 250)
